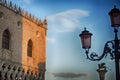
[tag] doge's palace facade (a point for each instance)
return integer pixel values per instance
(22, 44)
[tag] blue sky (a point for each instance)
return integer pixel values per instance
(66, 20)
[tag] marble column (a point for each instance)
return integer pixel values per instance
(102, 71)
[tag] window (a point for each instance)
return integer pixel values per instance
(18, 23)
(6, 39)
(1, 14)
(29, 48)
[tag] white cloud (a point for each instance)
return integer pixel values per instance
(50, 40)
(66, 21)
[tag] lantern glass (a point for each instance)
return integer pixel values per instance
(86, 39)
(115, 20)
(115, 17)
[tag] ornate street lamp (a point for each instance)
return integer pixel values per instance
(111, 47)
(86, 39)
(115, 17)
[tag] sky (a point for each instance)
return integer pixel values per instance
(65, 57)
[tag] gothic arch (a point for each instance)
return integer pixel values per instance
(6, 39)
(29, 48)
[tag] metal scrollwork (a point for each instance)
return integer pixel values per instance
(109, 48)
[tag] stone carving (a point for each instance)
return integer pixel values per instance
(32, 77)
(102, 71)
(10, 71)
(19, 73)
(42, 70)
(3, 71)
(102, 66)
(5, 54)
(23, 75)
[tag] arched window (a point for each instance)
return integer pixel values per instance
(6, 39)
(29, 48)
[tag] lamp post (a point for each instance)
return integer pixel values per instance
(111, 47)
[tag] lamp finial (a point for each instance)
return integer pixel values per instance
(114, 6)
(85, 28)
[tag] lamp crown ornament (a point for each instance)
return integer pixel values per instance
(114, 10)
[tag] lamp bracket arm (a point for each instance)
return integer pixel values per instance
(108, 49)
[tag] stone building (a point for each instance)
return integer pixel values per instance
(22, 44)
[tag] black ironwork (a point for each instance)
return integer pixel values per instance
(112, 48)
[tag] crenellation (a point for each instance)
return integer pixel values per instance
(19, 10)
(30, 16)
(36, 20)
(45, 22)
(39, 22)
(22, 12)
(26, 14)
(4, 2)
(15, 8)
(10, 5)
(1, 1)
